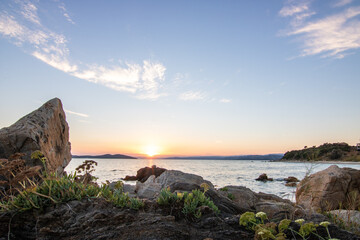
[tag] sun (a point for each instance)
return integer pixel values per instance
(151, 151)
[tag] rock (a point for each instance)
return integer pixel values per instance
(264, 178)
(291, 179)
(44, 129)
(149, 190)
(328, 189)
(144, 173)
(291, 184)
(98, 219)
(180, 182)
(224, 204)
(243, 196)
(275, 207)
(174, 179)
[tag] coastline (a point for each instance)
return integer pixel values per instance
(319, 162)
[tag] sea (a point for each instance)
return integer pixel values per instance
(220, 172)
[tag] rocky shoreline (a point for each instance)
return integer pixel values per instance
(164, 204)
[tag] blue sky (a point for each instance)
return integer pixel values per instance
(186, 77)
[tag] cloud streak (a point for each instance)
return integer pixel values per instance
(23, 27)
(192, 96)
(330, 36)
(76, 113)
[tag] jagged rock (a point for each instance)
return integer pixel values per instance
(291, 179)
(264, 178)
(243, 196)
(144, 173)
(328, 189)
(44, 129)
(174, 179)
(98, 219)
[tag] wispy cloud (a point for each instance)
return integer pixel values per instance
(23, 27)
(192, 96)
(66, 13)
(330, 36)
(294, 7)
(29, 11)
(341, 3)
(225, 100)
(76, 113)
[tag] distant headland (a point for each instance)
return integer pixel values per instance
(121, 156)
(325, 152)
(237, 157)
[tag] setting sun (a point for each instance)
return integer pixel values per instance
(151, 150)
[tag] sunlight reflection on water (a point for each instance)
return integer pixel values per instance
(219, 172)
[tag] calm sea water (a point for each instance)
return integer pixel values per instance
(219, 172)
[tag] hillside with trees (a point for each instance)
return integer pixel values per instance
(325, 152)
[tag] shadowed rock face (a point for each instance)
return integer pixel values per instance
(330, 188)
(44, 129)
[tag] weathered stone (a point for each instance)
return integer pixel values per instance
(328, 189)
(144, 173)
(174, 179)
(44, 129)
(291, 179)
(243, 196)
(264, 178)
(275, 207)
(150, 189)
(291, 184)
(98, 219)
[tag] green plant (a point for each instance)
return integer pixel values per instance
(225, 189)
(271, 230)
(231, 196)
(166, 197)
(190, 202)
(55, 190)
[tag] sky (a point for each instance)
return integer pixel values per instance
(182, 78)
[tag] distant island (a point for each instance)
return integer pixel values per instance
(325, 152)
(238, 157)
(121, 156)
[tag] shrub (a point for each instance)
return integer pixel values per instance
(191, 202)
(55, 190)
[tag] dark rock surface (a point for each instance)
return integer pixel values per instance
(328, 189)
(144, 173)
(264, 178)
(44, 129)
(98, 219)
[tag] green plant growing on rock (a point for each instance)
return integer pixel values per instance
(224, 189)
(191, 202)
(166, 197)
(231, 196)
(56, 190)
(269, 230)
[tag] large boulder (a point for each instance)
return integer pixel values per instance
(144, 173)
(329, 189)
(175, 180)
(44, 129)
(275, 207)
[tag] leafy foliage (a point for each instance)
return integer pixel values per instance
(190, 202)
(326, 151)
(283, 230)
(55, 190)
